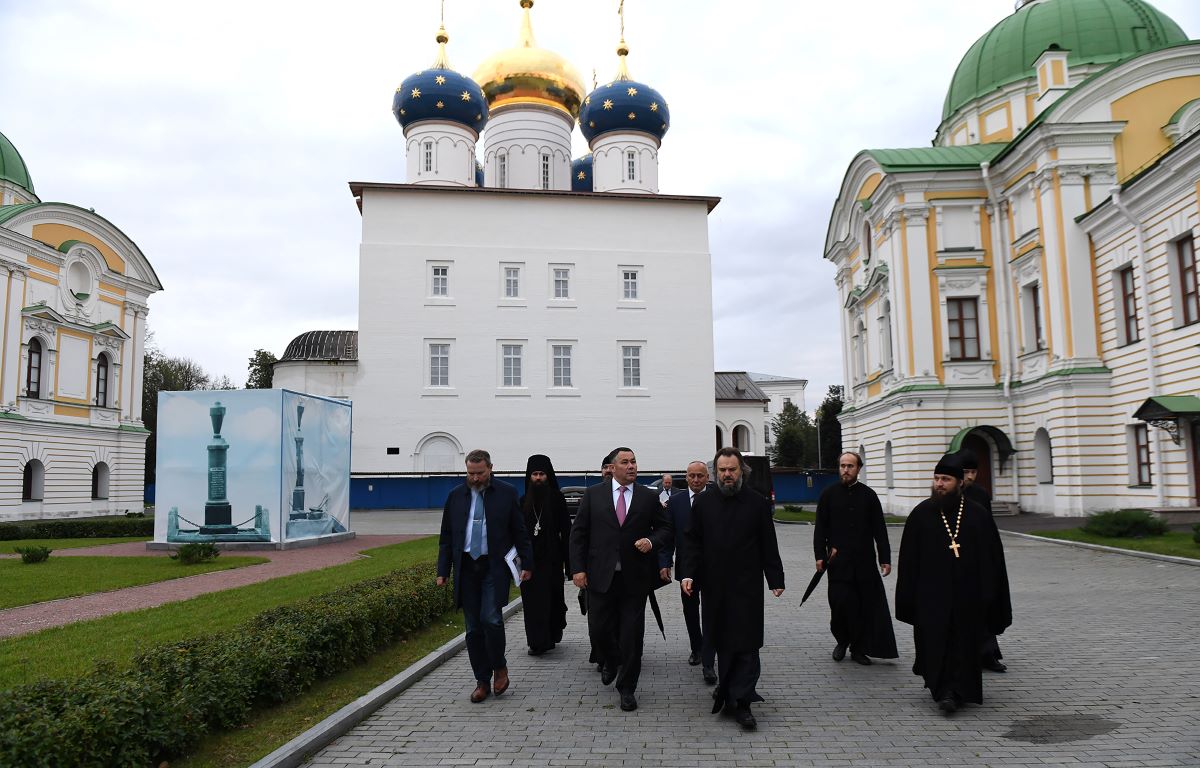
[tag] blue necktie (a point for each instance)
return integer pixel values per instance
(476, 527)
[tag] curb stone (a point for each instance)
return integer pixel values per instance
(297, 751)
(1103, 548)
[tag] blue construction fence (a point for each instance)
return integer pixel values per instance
(428, 491)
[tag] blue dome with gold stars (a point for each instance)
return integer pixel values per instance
(624, 105)
(440, 93)
(581, 174)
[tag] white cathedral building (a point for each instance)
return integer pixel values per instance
(1026, 287)
(515, 300)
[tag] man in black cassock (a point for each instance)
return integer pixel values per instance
(549, 527)
(953, 587)
(728, 548)
(849, 531)
(989, 648)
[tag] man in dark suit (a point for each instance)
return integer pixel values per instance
(481, 522)
(679, 510)
(619, 526)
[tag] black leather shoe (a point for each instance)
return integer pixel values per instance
(710, 675)
(861, 658)
(839, 652)
(628, 702)
(948, 705)
(694, 659)
(608, 675)
(745, 717)
(992, 665)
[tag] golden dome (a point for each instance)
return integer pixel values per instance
(527, 74)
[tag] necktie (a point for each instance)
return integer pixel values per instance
(621, 510)
(692, 501)
(476, 527)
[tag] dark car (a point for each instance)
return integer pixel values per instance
(573, 495)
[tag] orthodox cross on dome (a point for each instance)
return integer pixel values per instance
(442, 61)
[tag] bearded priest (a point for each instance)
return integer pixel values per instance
(952, 587)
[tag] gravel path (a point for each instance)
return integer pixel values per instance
(53, 613)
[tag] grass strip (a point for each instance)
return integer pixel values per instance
(73, 649)
(62, 577)
(1173, 543)
(790, 514)
(9, 547)
(270, 728)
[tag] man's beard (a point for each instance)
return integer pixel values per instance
(538, 488)
(847, 480)
(732, 488)
(941, 497)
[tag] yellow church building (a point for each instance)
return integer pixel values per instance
(73, 289)
(1027, 286)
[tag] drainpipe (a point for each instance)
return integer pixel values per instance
(1151, 352)
(1000, 259)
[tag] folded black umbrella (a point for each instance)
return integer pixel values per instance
(583, 601)
(815, 580)
(657, 614)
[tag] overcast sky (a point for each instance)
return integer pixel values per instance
(220, 136)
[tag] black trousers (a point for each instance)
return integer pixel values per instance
(622, 607)
(691, 617)
(483, 617)
(739, 672)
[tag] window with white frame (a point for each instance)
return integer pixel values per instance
(545, 171)
(1125, 293)
(428, 156)
(962, 322)
(1139, 455)
(1031, 302)
(33, 370)
(512, 282)
(631, 165)
(630, 284)
(1189, 290)
(439, 364)
(439, 280)
(631, 365)
(511, 359)
(502, 171)
(562, 282)
(102, 380)
(561, 354)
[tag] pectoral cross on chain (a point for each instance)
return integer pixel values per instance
(954, 546)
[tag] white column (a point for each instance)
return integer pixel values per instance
(1081, 298)
(920, 291)
(524, 133)
(10, 322)
(625, 162)
(139, 344)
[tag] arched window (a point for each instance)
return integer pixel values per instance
(102, 380)
(33, 481)
(860, 350)
(1043, 456)
(720, 439)
(887, 465)
(741, 438)
(868, 245)
(100, 481)
(33, 374)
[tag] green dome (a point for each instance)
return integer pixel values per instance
(12, 167)
(1094, 31)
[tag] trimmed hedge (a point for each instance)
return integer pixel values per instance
(1125, 523)
(78, 528)
(175, 693)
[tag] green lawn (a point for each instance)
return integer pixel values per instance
(61, 577)
(1175, 543)
(74, 648)
(8, 547)
(790, 514)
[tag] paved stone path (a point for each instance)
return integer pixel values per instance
(1103, 671)
(32, 618)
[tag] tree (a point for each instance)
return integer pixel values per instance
(829, 427)
(794, 443)
(261, 372)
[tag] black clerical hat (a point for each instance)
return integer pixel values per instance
(966, 459)
(949, 465)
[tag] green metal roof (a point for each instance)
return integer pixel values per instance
(935, 158)
(8, 211)
(1168, 407)
(12, 167)
(1093, 31)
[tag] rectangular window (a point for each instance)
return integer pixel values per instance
(1186, 253)
(1039, 338)
(545, 171)
(631, 366)
(631, 165)
(440, 285)
(1129, 323)
(512, 365)
(630, 283)
(962, 321)
(502, 171)
(512, 282)
(562, 365)
(1141, 454)
(439, 365)
(562, 283)
(428, 156)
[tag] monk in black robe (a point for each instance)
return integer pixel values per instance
(953, 587)
(549, 524)
(850, 527)
(729, 546)
(989, 647)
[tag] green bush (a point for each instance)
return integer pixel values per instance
(30, 555)
(197, 552)
(79, 528)
(1125, 523)
(176, 692)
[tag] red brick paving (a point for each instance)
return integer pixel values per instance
(32, 618)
